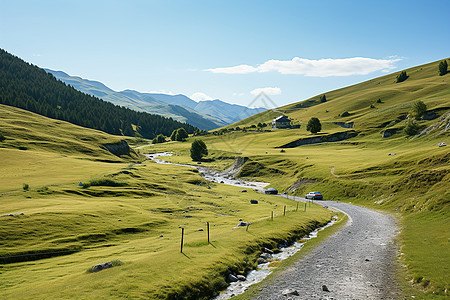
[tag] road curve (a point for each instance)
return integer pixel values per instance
(357, 262)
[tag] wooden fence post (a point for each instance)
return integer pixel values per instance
(182, 236)
(207, 226)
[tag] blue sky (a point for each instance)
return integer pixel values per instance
(229, 50)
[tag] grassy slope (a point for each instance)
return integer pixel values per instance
(423, 83)
(414, 183)
(61, 217)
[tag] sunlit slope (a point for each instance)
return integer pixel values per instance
(424, 83)
(40, 151)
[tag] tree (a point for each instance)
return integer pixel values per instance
(198, 150)
(323, 99)
(159, 139)
(402, 76)
(443, 67)
(411, 128)
(314, 125)
(418, 109)
(173, 136)
(181, 134)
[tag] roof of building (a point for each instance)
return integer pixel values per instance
(281, 119)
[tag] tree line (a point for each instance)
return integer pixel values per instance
(29, 87)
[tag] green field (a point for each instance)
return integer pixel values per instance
(65, 228)
(407, 176)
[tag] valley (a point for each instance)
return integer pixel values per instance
(73, 197)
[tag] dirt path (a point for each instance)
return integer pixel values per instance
(357, 262)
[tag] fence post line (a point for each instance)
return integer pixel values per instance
(272, 215)
(297, 207)
(284, 211)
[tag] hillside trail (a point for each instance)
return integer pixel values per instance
(357, 262)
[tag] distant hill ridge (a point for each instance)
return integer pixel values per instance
(29, 87)
(208, 114)
(373, 105)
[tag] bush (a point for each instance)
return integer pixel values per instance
(314, 125)
(103, 182)
(411, 128)
(379, 100)
(160, 138)
(26, 187)
(443, 67)
(418, 109)
(402, 76)
(345, 114)
(198, 150)
(2, 137)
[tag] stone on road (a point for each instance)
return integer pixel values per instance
(357, 262)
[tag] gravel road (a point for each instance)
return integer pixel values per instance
(357, 262)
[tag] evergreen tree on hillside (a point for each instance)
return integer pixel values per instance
(28, 87)
(323, 99)
(402, 76)
(443, 67)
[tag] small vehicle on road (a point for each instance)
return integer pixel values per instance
(314, 196)
(271, 191)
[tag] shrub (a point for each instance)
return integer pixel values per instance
(160, 138)
(345, 114)
(402, 76)
(2, 137)
(26, 187)
(443, 67)
(372, 106)
(198, 150)
(103, 182)
(411, 128)
(379, 100)
(418, 109)
(314, 125)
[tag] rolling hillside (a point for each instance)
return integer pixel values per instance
(408, 176)
(360, 101)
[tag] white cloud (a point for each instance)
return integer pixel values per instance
(317, 68)
(198, 96)
(241, 69)
(266, 90)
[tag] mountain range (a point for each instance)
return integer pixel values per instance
(208, 114)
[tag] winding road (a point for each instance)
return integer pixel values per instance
(357, 262)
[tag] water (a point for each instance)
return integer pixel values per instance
(263, 270)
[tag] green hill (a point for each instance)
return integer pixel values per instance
(360, 101)
(364, 158)
(26, 86)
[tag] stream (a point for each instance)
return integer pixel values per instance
(264, 269)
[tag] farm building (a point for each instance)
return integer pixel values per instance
(281, 122)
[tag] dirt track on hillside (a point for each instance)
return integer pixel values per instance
(357, 262)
